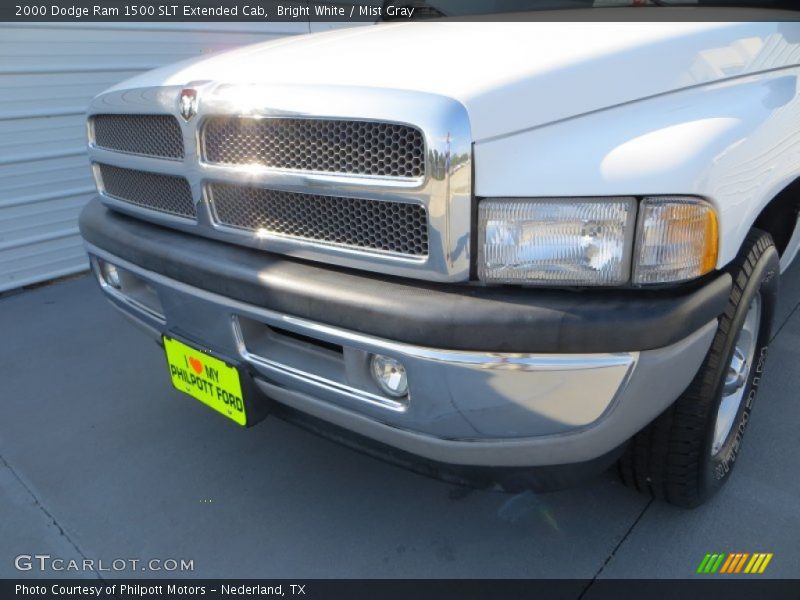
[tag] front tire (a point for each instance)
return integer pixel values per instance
(688, 452)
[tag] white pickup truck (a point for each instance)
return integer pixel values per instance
(508, 254)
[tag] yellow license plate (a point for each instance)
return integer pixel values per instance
(210, 380)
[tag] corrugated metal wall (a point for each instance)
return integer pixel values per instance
(48, 74)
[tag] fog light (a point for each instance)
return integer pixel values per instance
(390, 375)
(110, 275)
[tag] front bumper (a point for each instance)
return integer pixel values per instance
(519, 401)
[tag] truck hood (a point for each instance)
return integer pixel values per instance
(509, 76)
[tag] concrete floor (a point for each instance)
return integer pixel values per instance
(100, 458)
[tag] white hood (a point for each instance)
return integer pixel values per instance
(509, 76)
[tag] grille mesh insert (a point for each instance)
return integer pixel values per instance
(378, 225)
(150, 135)
(163, 193)
(332, 146)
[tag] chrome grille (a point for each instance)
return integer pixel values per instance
(149, 135)
(429, 172)
(163, 193)
(396, 227)
(319, 145)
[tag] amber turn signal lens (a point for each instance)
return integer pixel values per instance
(677, 240)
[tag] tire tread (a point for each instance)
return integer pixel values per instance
(663, 460)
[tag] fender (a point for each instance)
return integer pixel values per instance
(735, 143)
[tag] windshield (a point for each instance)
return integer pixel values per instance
(455, 8)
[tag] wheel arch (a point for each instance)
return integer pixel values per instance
(773, 219)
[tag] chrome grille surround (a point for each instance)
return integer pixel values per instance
(444, 191)
(394, 227)
(317, 145)
(154, 191)
(148, 135)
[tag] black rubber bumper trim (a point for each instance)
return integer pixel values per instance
(450, 316)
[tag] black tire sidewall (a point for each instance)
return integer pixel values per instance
(764, 281)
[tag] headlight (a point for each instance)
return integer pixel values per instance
(595, 241)
(554, 241)
(677, 239)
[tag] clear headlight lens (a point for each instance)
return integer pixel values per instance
(677, 239)
(556, 241)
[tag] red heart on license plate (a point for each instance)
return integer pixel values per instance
(196, 365)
